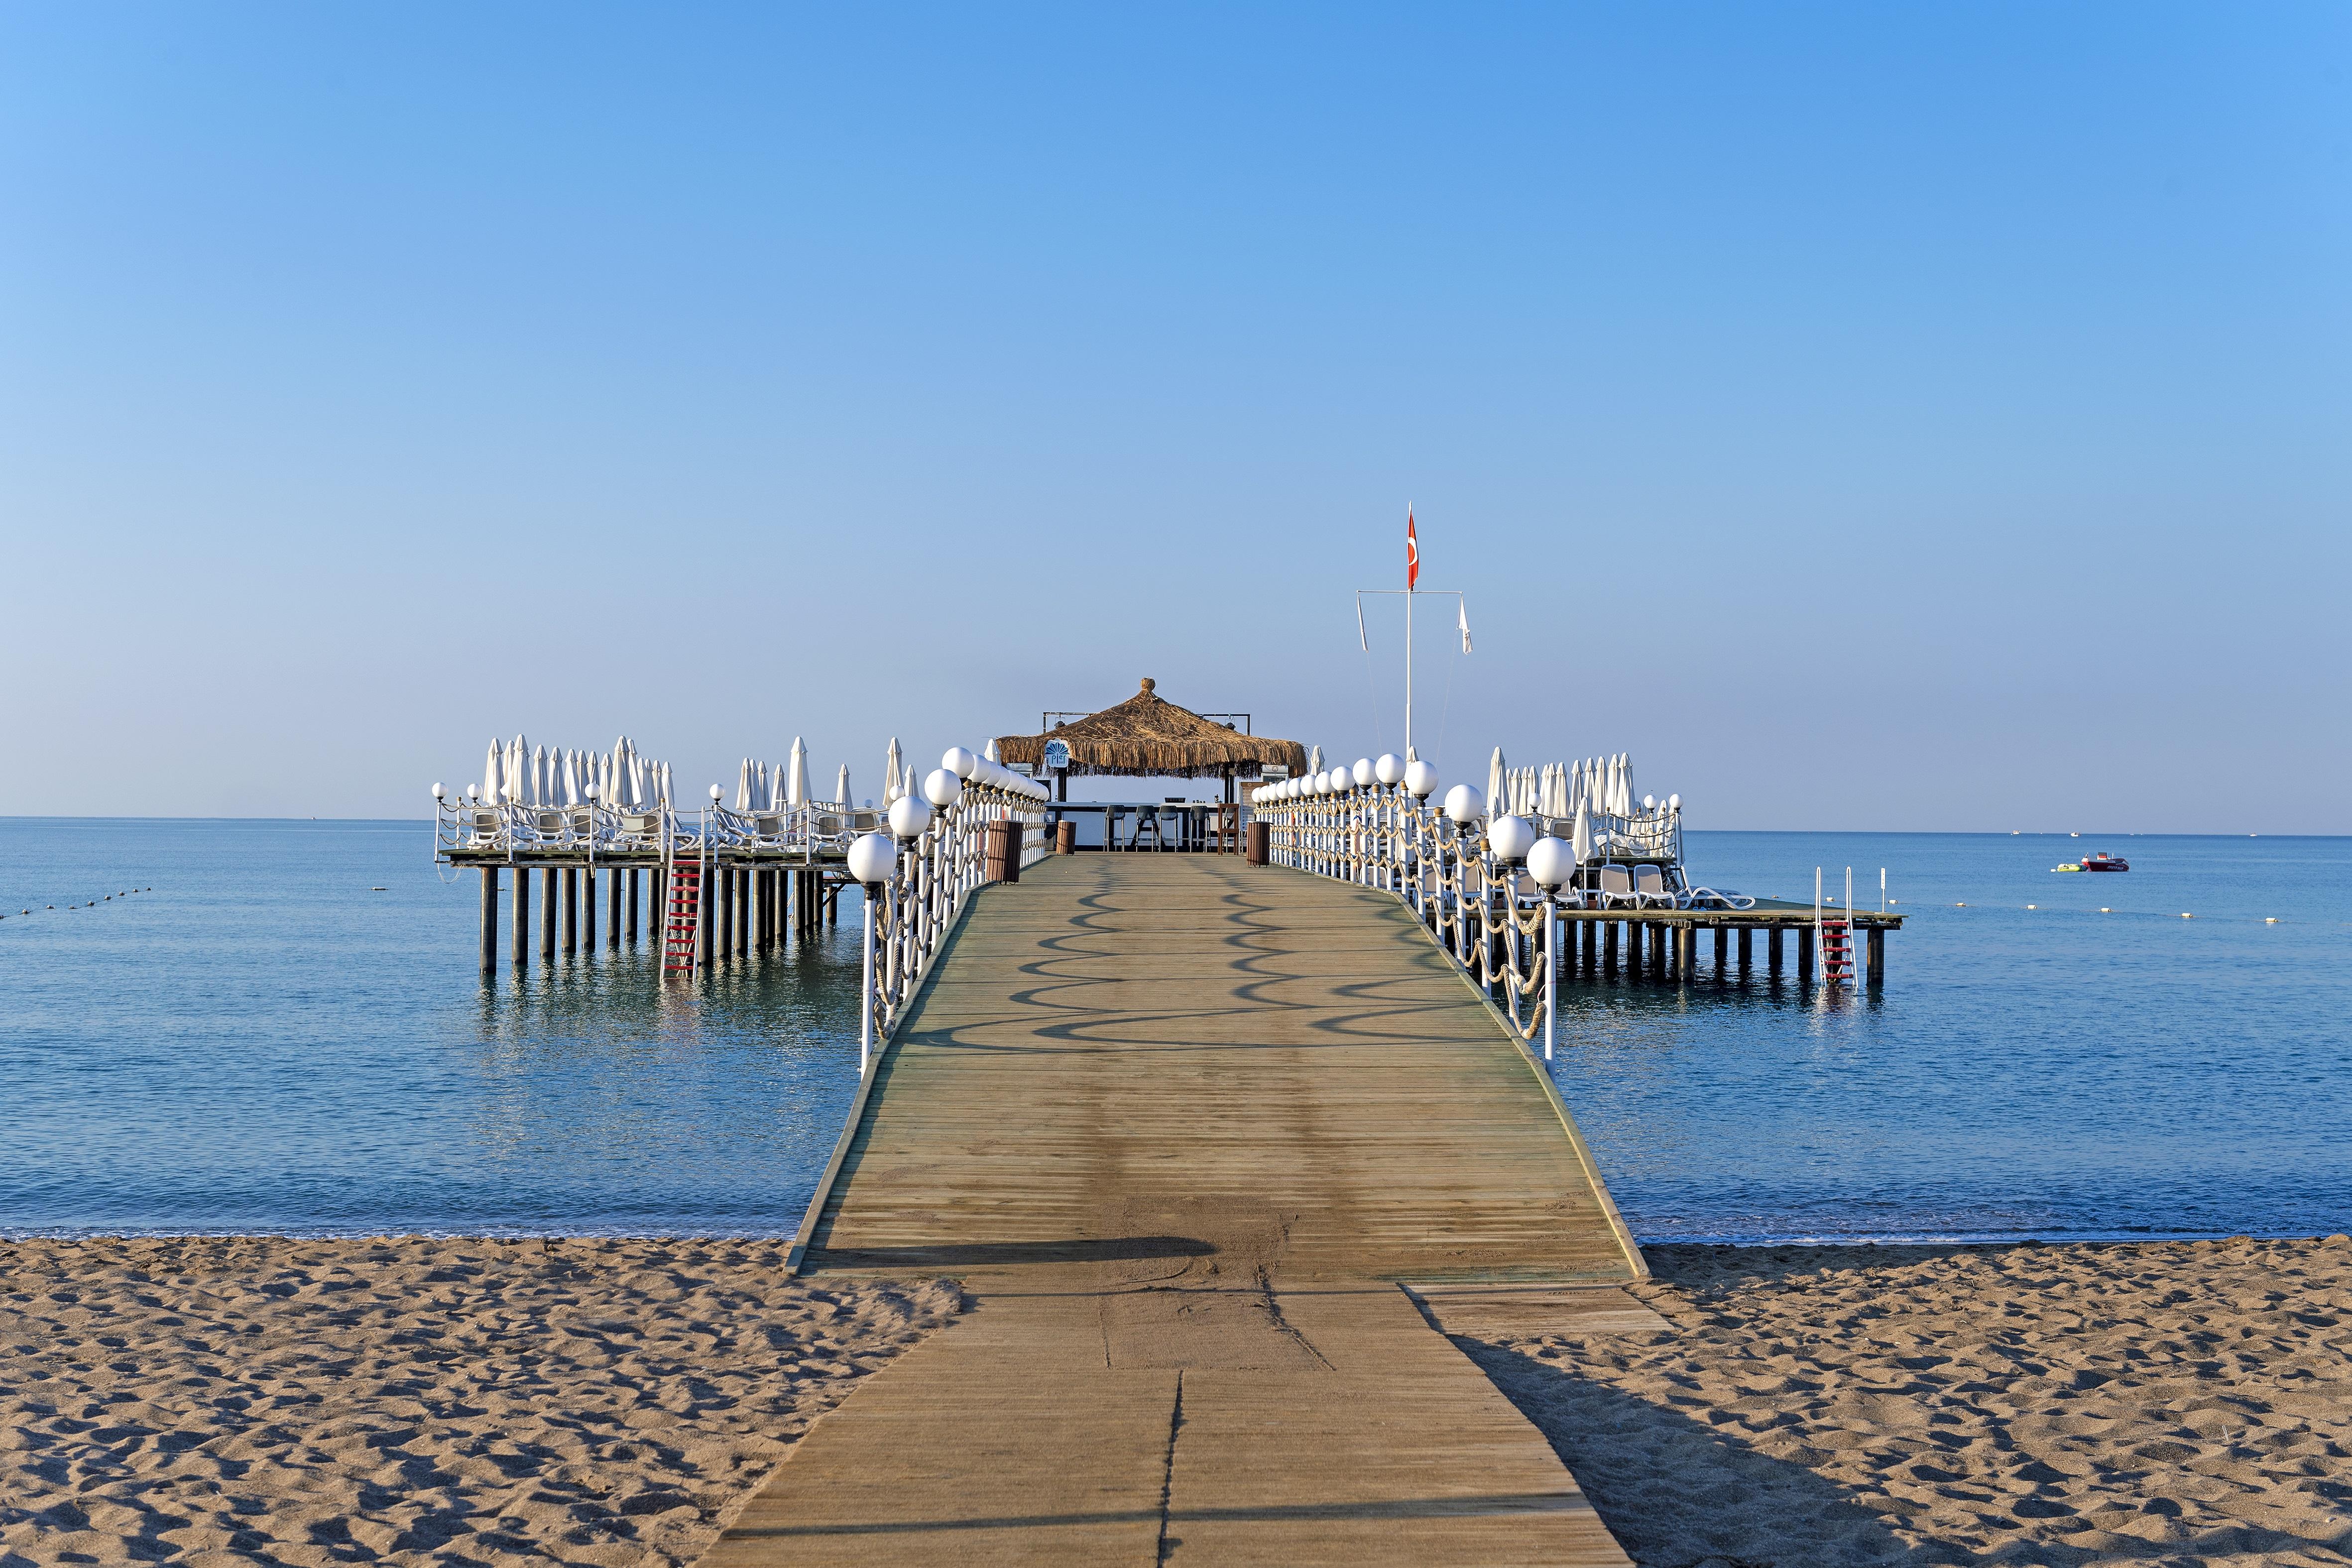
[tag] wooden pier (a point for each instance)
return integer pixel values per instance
(757, 897)
(1215, 1149)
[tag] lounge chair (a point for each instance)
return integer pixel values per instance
(1709, 898)
(1616, 889)
(1650, 889)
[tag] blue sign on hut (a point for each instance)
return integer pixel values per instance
(1147, 737)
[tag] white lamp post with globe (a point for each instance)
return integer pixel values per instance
(873, 860)
(1552, 863)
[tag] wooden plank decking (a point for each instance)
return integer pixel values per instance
(1182, 1125)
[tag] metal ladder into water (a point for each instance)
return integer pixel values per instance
(1835, 929)
(682, 925)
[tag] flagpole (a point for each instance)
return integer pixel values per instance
(1408, 671)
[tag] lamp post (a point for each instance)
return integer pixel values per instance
(1552, 863)
(873, 859)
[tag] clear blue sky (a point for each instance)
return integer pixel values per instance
(1869, 416)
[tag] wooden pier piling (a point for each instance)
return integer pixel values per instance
(1877, 950)
(490, 918)
(549, 895)
(743, 913)
(1722, 954)
(1747, 949)
(612, 909)
(570, 910)
(588, 910)
(521, 916)
(1805, 955)
(629, 906)
(1773, 952)
(706, 929)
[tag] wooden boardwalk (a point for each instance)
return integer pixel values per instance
(1210, 1145)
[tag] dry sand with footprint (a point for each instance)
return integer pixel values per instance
(317, 1402)
(2149, 1404)
(614, 1402)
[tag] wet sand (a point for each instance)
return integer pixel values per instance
(2146, 1404)
(315, 1402)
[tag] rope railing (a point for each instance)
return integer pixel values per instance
(921, 867)
(1488, 884)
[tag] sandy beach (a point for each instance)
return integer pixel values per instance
(316, 1402)
(614, 1402)
(2150, 1404)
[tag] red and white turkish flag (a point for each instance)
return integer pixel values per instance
(1411, 554)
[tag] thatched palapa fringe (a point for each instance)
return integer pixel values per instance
(1147, 737)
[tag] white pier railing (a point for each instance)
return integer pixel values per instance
(1488, 882)
(921, 869)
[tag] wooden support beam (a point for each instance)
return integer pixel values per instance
(1805, 953)
(570, 909)
(550, 892)
(629, 906)
(1592, 947)
(743, 913)
(1747, 946)
(588, 910)
(1772, 951)
(1877, 953)
(1722, 951)
(720, 896)
(706, 929)
(612, 909)
(490, 919)
(1686, 949)
(521, 916)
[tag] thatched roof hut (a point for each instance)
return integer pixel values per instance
(1147, 737)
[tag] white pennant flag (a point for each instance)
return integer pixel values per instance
(1461, 608)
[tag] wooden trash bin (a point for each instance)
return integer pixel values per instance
(1066, 837)
(1259, 849)
(1001, 855)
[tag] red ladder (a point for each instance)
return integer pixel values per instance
(682, 931)
(1837, 952)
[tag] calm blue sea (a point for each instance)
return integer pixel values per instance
(287, 1035)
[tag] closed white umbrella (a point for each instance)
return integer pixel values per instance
(743, 786)
(491, 772)
(989, 751)
(796, 791)
(892, 786)
(666, 796)
(637, 772)
(540, 791)
(1314, 761)
(518, 778)
(841, 789)
(572, 764)
(1624, 783)
(1581, 839)
(1498, 786)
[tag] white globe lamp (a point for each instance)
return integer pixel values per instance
(910, 815)
(714, 794)
(1420, 779)
(1388, 769)
(1674, 802)
(1510, 837)
(1362, 772)
(436, 791)
(960, 761)
(1464, 804)
(1552, 863)
(942, 787)
(1648, 802)
(873, 858)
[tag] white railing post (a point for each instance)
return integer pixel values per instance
(865, 994)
